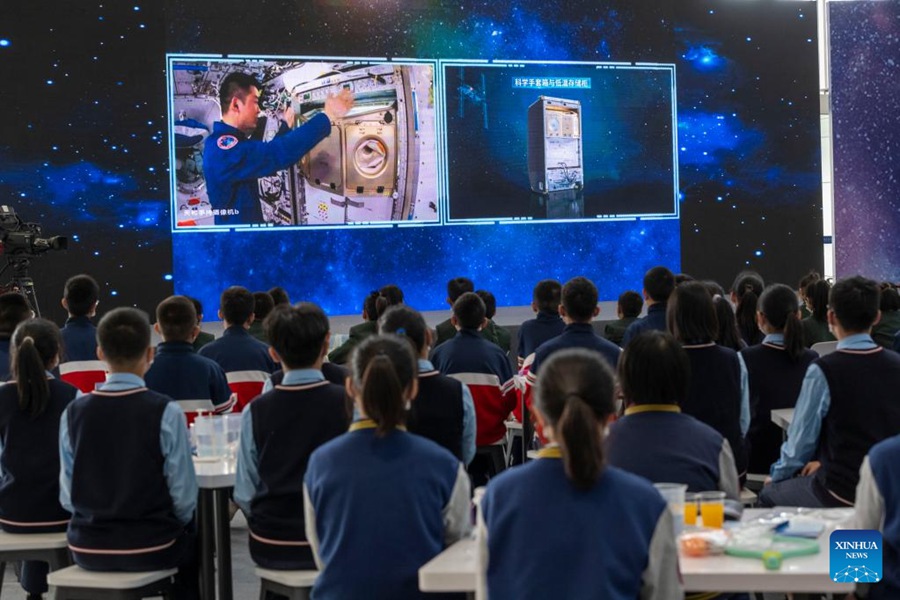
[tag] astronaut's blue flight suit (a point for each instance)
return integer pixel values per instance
(232, 164)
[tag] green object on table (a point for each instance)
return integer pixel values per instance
(779, 548)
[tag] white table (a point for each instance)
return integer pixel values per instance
(453, 570)
(215, 479)
(783, 417)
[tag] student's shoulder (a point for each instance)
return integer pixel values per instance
(430, 450)
(636, 489)
(885, 453)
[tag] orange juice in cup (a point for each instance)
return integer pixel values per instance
(690, 509)
(712, 508)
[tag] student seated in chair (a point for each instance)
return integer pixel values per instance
(79, 335)
(547, 324)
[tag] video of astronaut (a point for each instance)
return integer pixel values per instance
(560, 141)
(377, 166)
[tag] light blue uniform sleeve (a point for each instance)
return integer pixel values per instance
(178, 467)
(469, 430)
(246, 482)
(745, 396)
(268, 386)
(66, 459)
(803, 433)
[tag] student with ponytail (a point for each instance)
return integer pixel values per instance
(379, 487)
(30, 410)
(532, 516)
(815, 326)
(776, 369)
(745, 294)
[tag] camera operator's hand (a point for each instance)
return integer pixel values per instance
(336, 106)
(289, 117)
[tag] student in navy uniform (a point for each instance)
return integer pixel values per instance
(262, 306)
(177, 370)
(492, 332)
(203, 338)
(279, 431)
(745, 293)
(887, 327)
(658, 285)
(719, 391)
(815, 326)
(379, 487)
(14, 309)
(358, 332)
(456, 287)
(847, 404)
(443, 410)
(655, 439)
(232, 162)
(533, 516)
(130, 488)
(775, 369)
(547, 324)
(628, 309)
(878, 507)
(30, 409)
(79, 335)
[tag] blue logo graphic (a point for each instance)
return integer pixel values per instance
(855, 556)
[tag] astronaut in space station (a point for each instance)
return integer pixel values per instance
(232, 162)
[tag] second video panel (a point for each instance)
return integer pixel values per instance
(560, 141)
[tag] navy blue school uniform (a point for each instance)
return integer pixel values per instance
(444, 412)
(614, 541)
(279, 432)
(4, 359)
(534, 332)
(336, 374)
(237, 350)
(775, 382)
(182, 374)
(378, 507)
(577, 335)
(232, 164)
(79, 336)
(654, 320)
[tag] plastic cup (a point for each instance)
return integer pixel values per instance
(690, 509)
(712, 508)
(212, 436)
(673, 494)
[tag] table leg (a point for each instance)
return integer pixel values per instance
(223, 542)
(205, 516)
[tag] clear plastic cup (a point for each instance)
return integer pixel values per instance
(673, 494)
(211, 437)
(690, 509)
(712, 508)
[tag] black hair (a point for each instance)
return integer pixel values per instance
(547, 294)
(728, 335)
(579, 298)
(405, 322)
(81, 293)
(654, 369)
(198, 307)
(490, 303)
(469, 311)
(890, 299)
(235, 85)
(458, 286)
(124, 335)
(279, 295)
(383, 367)
(35, 345)
(392, 293)
(659, 283)
(747, 288)
(370, 306)
(855, 302)
(691, 316)
(817, 296)
(14, 309)
(237, 305)
(574, 393)
(262, 305)
(713, 288)
(176, 317)
(682, 277)
(807, 279)
(630, 303)
(780, 306)
(297, 333)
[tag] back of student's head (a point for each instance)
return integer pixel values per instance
(124, 336)
(297, 333)
(713, 288)
(682, 277)
(35, 350)
(855, 302)
(469, 311)
(198, 307)
(579, 298)
(236, 305)
(370, 306)
(14, 309)
(262, 305)
(81, 293)
(654, 369)
(407, 323)
(747, 288)
(574, 394)
(691, 315)
(384, 368)
(659, 283)
(458, 286)
(279, 295)
(890, 299)
(728, 335)
(781, 308)
(177, 318)
(547, 294)
(630, 304)
(490, 303)
(392, 293)
(817, 293)
(807, 279)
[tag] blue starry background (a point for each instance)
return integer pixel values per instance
(84, 149)
(865, 82)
